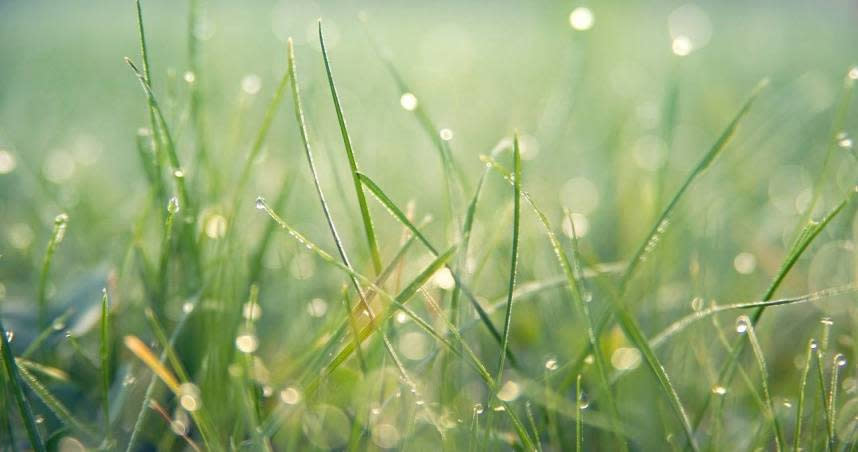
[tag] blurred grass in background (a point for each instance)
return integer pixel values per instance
(612, 119)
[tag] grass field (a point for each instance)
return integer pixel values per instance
(368, 225)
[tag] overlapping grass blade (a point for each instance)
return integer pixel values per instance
(57, 235)
(397, 213)
(347, 143)
(799, 410)
(13, 379)
(104, 352)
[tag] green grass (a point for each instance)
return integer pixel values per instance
(423, 277)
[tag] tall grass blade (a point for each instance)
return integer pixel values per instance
(104, 352)
(57, 235)
(13, 378)
(744, 326)
(799, 411)
(60, 410)
(347, 142)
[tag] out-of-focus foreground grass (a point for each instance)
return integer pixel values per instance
(614, 105)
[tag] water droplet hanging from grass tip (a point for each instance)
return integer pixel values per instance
(260, 203)
(742, 324)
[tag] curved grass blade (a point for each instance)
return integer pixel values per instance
(743, 325)
(347, 142)
(683, 323)
(13, 378)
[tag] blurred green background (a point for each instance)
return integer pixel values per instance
(593, 110)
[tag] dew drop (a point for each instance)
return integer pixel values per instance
(408, 101)
(551, 364)
(499, 408)
(840, 360)
(260, 203)
(742, 324)
(187, 307)
(190, 77)
(813, 344)
(584, 403)
(246, 343)
(128, 380)
(844, 141)
(420, 402)
(826, 321)
(10, 335)
(173, 205)
(290, 395)
(39, 418)
(179, 173)
(189, 396)
(682, 46)
(58, 325)
(478, 408)
(7, 162)
(446, 134)
(719, 390)
(853, 73)
(251, 311)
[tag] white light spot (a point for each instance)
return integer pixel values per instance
(189, 396)
(745, 263)
(446, 134)
(216, 226)
(742, 324)
(625, 358)
(853, 73)
(59, 166)
(509, 391)
(252, 311)
(719, 390)
(385, 436)
(443, 278)
(290, 396)
(190, 77)
(251, 84)
(581, 18)
(317, 307)
(581, 223)
(408, 101)
(7, 162)
(580, 195)
(692, 23)
(682, 45)
(413, 345)
(650, 152)
(246, 343)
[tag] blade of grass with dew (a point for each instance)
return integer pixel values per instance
(534, 430)
(13, 377)
(811, 345)
(104, 352)
(57, 235)
(838, 362)
(397, 213)
(513, 272)
(164, 259)
(802, 242)
(661, 224)
(680, 325)
(743, 325)
(399, 303)
(347, 143)
(302, 126)
(48, 371)
(57, 407)
(158, 141)
(820, 379)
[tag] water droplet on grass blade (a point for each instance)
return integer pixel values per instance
(826, 321)
(260, 203)
(246, 343)
(742, 324)
(446, 134)
(840, 360)
(551, 364)
(251, 84)
(173, 205)
(719, 390)
(290, 396)
(408, 101)
(189, 396)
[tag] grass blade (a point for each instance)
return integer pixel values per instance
(397, 213)
(56, 406)
(105, 365)
(59, 232)
(811, 346)
(14, 380)
(347, 142)
(744, 326)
